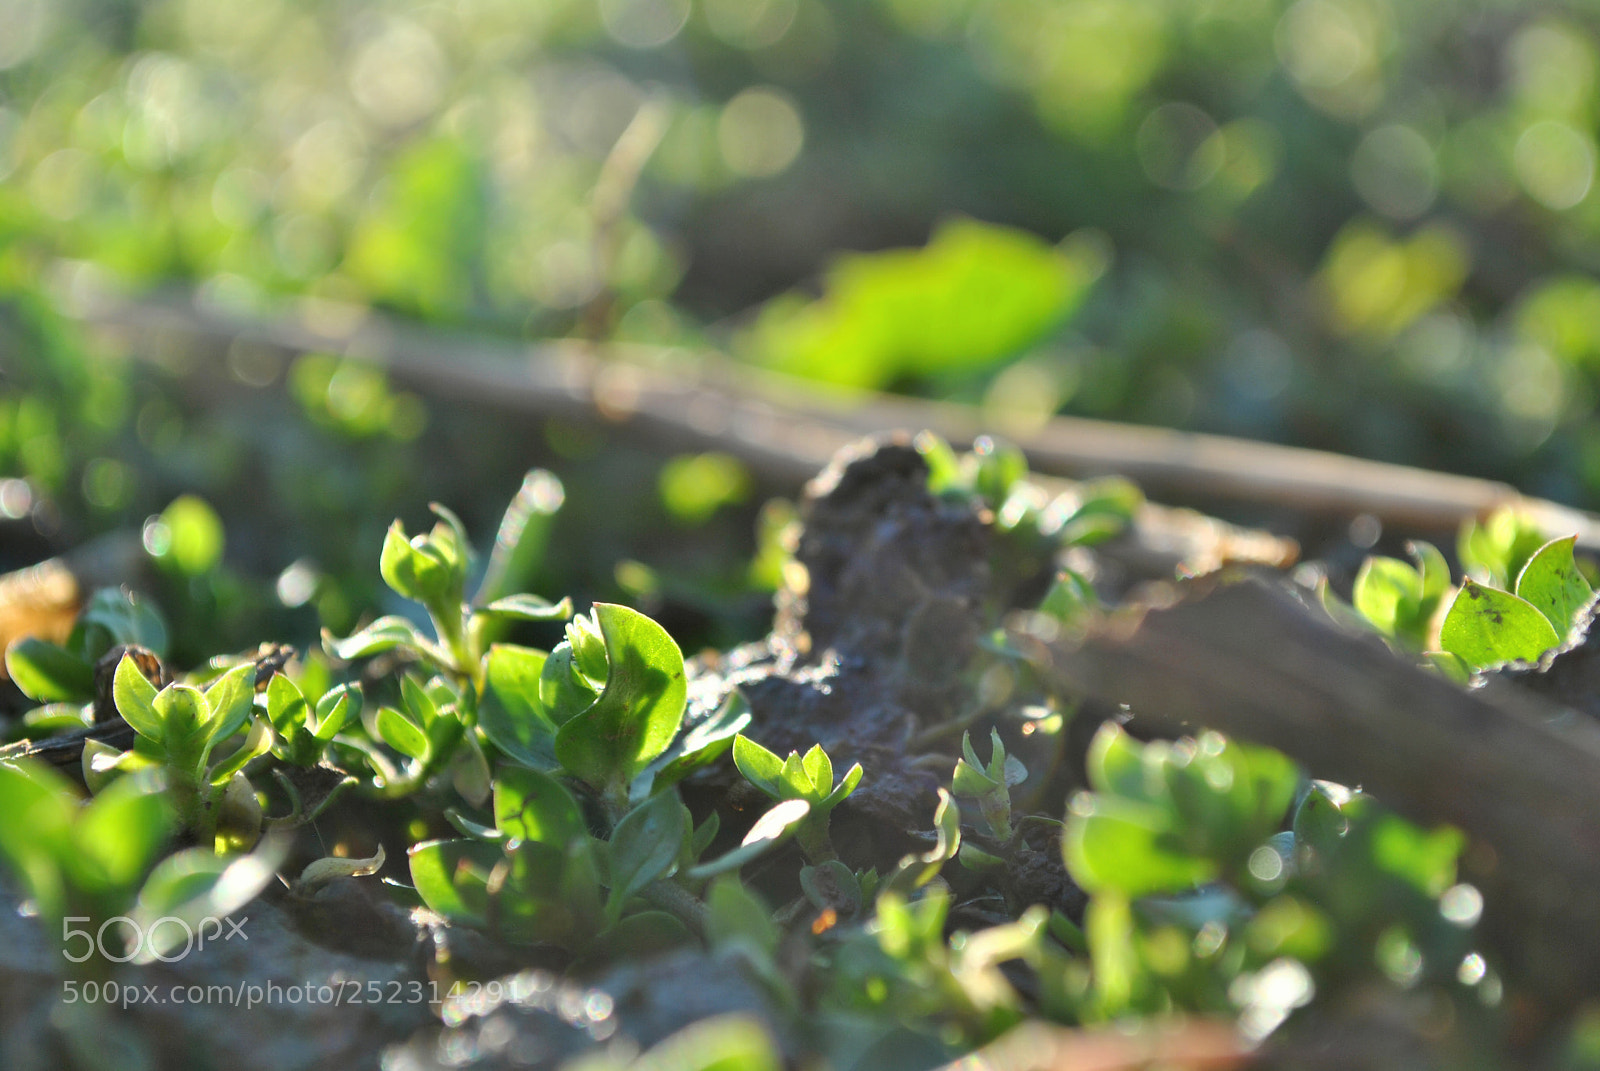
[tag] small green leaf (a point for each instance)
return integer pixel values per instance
(588, 645)
(472, 828)
(645, 846)
(135, 698)
(1486, 626)
(564, 693)
(819, 771)
(101, 763)
(759, 766)
(969, 753)
(1093, 512)
(384, 634)
(413, 567)
(699, 747)
(1071, 599)
(1116, 765)
(116, 616)
(847, 784)
(549, 894)
(1388, 593)
(335, 710)
(970, 780)
(532, 806)
(944, 465)
(452, 877)
(976, 859)
(729, 1042)
(511, 715)
(639, 937)
(38, 805)
(770, 829)
(229, 699)
(287, 707)
(1451, 667)
(1434, 569)
(1117, 845)
(528, 608)
(197, 883)
(47, 673)
(256, 743)
(704, 834)
(402, 734)
(184, 717)
(118, 834)
(915, 871)
(832, 884)
(1552, 583)
(419, 705)
(1318, 821)
(1000, 467)
(520, 541)
(1109, 926)
(794, 781)
(1497, 548)
(637, 715)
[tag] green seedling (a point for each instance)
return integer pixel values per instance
(536, 876)
(1486, 626)
(903, 964)
(425, 729)
(917, 870)
(88, 866)
(809, 779)
(432, 568)
(304, 728)
(1401, 600)
(989, 785)
(1167, 817)
(997, 474)
(1183, 844)
(1071, 600)
(182, 727)
(1493, 551)
(604, 706)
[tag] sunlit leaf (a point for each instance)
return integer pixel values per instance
(529, 805)
(1486, 626)
(48, 673)
(637, 715)
(1552, 583)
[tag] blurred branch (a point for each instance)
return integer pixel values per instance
(786, 429)
(613, 191)
(1182, 1045)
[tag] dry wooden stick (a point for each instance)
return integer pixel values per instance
(1518, 776)
(785, 443)
(788, 429)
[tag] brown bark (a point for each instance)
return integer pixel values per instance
(1520, 777)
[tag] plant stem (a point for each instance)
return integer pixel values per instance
(674, 899)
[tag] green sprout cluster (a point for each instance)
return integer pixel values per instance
(543, 797)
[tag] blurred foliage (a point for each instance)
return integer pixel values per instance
(1353, 224)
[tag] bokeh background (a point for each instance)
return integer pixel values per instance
(1360, 225)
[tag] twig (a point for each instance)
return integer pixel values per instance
(1520, 777)
(788, 429)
